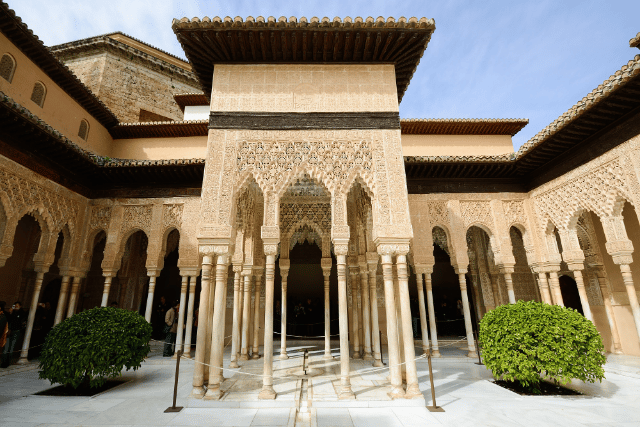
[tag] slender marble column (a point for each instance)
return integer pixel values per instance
(372, 261)
(235, 333)
(181, 310)
(152, 288)
(467, 315)
(62, 299)
(423, 314)
(354, 279)
(201, 339)
(554, 283)
(217, 332)
(606, 297)
(30, 319)
(244, 348)
(345, 383)
(284, 272)
(509, 281)
(392, 331)
(187, 334)
(326, 271)
(435, 351)
(631, 292)
(413, 390)
(107, 288)
(256, 316)
(73, 299)
(544, 288)
(267, 391)
(586, 309)
(366, 311)
(495, 290)
(240, 314)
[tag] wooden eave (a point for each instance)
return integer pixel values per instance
(160, 129)
(208, 42)
(190, 99)
(462, 126)
(24, 39)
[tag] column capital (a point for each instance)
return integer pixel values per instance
(237, 268)
(285, 263)
(507, 268)
(621, 251)
(189, 271)
(393, 248)
(340, 249)
(460, 269)
(423, 268)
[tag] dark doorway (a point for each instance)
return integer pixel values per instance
(570, 295)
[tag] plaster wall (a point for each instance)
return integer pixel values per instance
(59, 110)
(194, 147)
(456, 145)
(304, 88)
(127, 86)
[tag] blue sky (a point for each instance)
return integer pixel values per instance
(486, 59)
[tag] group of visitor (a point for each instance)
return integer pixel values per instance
(165, 325)
(13, 321)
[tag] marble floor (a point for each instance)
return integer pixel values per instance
(462, 388)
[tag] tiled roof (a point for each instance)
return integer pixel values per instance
(160, 129)
(635, 42)
(21, 36)
(462, 126)
(211, 41)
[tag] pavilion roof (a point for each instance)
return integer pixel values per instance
(462, 126)
(211, 41)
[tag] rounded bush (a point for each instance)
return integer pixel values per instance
(530, 341)
(94, 345)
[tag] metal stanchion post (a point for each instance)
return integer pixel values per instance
(435, 407)
(475, 336)
(381, 359)
(175, 408)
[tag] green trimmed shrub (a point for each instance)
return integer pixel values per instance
(94, 345)
(530, 341)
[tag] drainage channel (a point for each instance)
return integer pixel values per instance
(305, 396)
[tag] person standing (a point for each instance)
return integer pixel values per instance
(17, 319)
(4, 327)
(171, 330)
(159, 314)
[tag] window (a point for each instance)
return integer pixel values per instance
(7, 67)
(38, 94)
(83, 132)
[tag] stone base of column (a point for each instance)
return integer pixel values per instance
(396, 393)
(346, 393)
(213, 393)
(283, 356)
(367, 356)
(472, 354)
(267, 393)
(356, 355)
(22, 361)
(328, 356)
(234, 365)
(436, 353)
(244, 357)
(413, 392)
(377, 363)
(255, 356)
(197, 392)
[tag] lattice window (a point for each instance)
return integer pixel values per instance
(7, 67)
(39, 93)
(83, 132)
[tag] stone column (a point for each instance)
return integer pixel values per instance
(187, 334)
(284, 272)
(62, 299)
(366, 309)
(203, 310)
(240, 314)
(554, 284)
(631, 292)
(354, 279)
(217, 331)
(577, 275)
(181, 310)
(73, 299)
(606, 297)
(235, 333)
(32, 315)
(152, 288)
(544, 287)
(467, 314)
(345, 391)
(246, 300)
(267, 391)
(107, 287)
(495, 290)
(372, 264)
(507, 271)
(423, 314)
(255, 354)
(407, 328)
(326, 272)
(435, 351)
(392, 323)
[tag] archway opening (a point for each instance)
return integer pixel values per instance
(91, 293)
(570, 295)
(168, 283)
(524, 282)
(17, 275)
(129, 287)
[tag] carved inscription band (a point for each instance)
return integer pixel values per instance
(300, 121)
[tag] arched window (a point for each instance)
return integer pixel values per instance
(83, 132)
(7, 67)
(39, 93)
